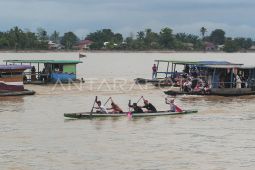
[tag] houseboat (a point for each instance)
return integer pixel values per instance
(215, 78)
(49, 71)
(11, 80)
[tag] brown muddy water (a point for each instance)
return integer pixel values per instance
(35, 135)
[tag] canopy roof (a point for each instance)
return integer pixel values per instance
(229, 66)
(177, 61)
(45, 61)
(15, 67)
(200, 62)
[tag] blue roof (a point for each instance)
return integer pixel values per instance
(45, 61)
(15, 67)
(217, 63)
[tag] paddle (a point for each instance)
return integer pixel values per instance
(107, 101)
(139, 100)
(93, 106)
(129, 113)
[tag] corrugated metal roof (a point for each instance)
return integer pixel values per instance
(177, 61)
(199, 62)
(45, 61)
(217, 63)
(15, 67)
(228, 66)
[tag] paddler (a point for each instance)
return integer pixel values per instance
(149, 106)
(137, 109)
(101, 108)
(114, 107)
(173, 107)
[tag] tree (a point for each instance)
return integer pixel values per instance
(230, 46)
(151, 39)
(243, 43)
(117, 38)
(42, 34)
(166, 38)
(55, 37)
(203, 30)
(218, 36)
(140, 35)
(69, 39)
(101, 36)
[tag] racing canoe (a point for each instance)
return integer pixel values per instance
(87, 115)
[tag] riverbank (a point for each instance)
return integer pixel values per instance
(114, 51)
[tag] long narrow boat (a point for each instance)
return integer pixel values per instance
(88, 115)
(11, 80)
(226, 92)
(17, 93)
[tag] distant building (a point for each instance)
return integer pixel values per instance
(252, 48)
(189, 46)
(209, 46)
(54, 46)
(220, 47)
(83, 45)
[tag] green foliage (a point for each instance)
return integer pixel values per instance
(217, 37)
(243, 43)
(166, 38)
(55, 37)
(230, 46)
(203, 30)
(18, 39)
(42, 34)
(69, 39)
(102, 36)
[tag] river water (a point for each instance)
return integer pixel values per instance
(36, 136)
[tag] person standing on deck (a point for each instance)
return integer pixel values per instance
(149, 106)
(33, 74)
(101, 108)
(238, 82)
(154, 71)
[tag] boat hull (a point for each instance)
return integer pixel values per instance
(144, 81)
(88, 115)
(17, 93)
(227, 92)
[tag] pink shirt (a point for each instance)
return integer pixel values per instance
(154, 68)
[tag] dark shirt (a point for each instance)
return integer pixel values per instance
(137, 109)
(150, 107)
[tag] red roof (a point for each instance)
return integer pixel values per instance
(85, 42)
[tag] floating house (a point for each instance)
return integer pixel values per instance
(209, 77)
(11, 80)
(49, 71)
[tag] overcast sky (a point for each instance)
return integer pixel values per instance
(236, 17)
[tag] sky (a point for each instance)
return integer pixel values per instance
(235, 17)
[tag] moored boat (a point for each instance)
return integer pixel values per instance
(11, 80)
(49, 71)
(17, 93)
(220, 78)
(88, 115)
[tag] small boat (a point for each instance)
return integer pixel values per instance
(144, 81)
(17, 93)
(11, 80)
(88, 115)
(174, 93)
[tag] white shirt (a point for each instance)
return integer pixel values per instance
(172, 107)
(103, 109)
